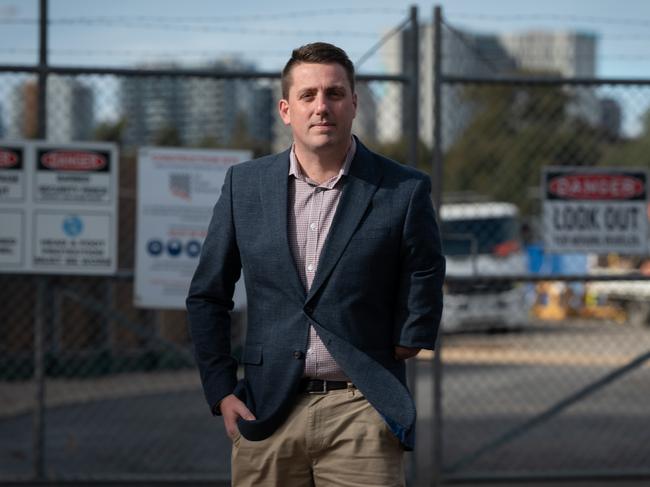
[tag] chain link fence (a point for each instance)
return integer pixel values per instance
(122, 397)
(543, 366)
(543, 369)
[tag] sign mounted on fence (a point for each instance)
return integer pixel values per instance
(598, 210)
(177, 190)
(58, 208)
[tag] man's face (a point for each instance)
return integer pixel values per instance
(320, 107)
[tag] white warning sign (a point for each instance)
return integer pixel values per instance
(177, 190)
(598, 210)
(74, 240)
(58, 207)
(12, 173)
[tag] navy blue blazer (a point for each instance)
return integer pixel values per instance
(378, 284)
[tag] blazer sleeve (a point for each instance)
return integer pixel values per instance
(422, 272)
(210, 301)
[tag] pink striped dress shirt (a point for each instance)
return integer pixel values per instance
(311, 209)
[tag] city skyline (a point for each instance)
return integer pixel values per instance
(89, 33)
(72, 21)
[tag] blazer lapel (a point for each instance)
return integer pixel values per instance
(273, 185)
(360, 186)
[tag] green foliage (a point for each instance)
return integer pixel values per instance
(110, 131)
(167, 136)
(513, 132)
(630, 152)
(241, 138)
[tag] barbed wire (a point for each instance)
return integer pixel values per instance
(154, 52)
(235, 30)
(220, 18)
(479, 55)
(279, 53)
(548, 17)
(374, 48)
(329, 12)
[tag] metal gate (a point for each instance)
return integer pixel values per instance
(560, 391)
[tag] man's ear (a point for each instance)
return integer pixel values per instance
(283, 109)
(354, 102)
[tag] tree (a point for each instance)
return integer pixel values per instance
(240, 138)
(630, 152)
(167, 136)
(111, 131)
(514, 131)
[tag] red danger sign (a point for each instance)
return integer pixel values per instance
(595, 186)
(8, 159)
(73, 161)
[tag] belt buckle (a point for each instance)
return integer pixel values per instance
(323, 391)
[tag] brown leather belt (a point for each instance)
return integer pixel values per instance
(318, 386)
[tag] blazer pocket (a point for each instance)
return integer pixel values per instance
(366, 233)
(252, 355)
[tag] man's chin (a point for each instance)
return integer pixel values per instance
(323, 140)
(326, 142)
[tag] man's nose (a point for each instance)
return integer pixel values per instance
(321, 104)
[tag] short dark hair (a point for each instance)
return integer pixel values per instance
(318, 53)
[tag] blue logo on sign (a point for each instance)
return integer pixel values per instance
(154, 247)
(174, 247)
(72, 226)
(193, 248)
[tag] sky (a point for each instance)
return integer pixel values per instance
(125, 33)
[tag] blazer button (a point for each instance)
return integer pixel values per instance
(298, 354)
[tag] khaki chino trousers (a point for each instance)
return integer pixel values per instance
(332, 439)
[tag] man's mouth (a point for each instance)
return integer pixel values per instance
(322, 124)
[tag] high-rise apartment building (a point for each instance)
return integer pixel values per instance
(464, 54)
(568, 54)
(69, 106)
(198, 110)
(365, 122)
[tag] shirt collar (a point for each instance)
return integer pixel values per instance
(296, 171)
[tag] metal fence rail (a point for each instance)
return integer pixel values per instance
(556, 393)
(115, 387)
(549, 381)
(93, 388)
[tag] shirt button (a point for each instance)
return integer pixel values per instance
(298, 354)
(313, 226)
(310, 267)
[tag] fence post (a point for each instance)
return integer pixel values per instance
(414, 87)
(38, 427)
(413, 135)
(42, 72)
(437, 200)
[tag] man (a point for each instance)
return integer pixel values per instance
(341, 258)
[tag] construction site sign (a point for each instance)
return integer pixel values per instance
(595, 210)
(58, 207)
(177, 191)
